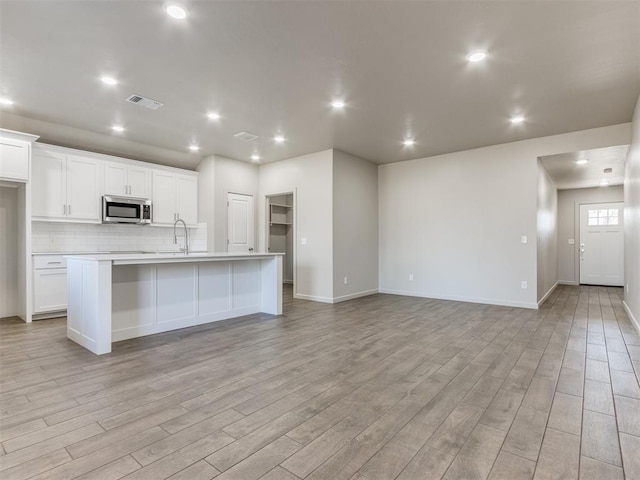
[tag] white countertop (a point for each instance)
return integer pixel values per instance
(144, 258)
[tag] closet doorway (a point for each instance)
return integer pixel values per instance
(281, 231)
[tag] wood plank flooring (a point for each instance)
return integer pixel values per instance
(379, 388)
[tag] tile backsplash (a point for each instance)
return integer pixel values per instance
(82, 237)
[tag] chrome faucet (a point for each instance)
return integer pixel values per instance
(186, 236)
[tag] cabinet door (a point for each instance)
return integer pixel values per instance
(115, 179)
(49, 290)
(48, 180)
(187, 199)
(164, 198)
(14, 159)
(83, 188)
(138, 182)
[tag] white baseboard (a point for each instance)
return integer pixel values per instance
(546, 295)
(313, 298)
(568, 282)
(351, 296)
(634, 320)
(485, 301)
(343, 298)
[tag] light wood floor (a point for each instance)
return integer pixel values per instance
(380, 388)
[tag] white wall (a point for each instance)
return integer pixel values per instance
(310, 177)
(632, 223)
(9, 292)
(547, 241)
(454, 221)
(569, 227)
(355, 226)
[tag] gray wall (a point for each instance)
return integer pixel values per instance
(632, 222)
(355, 226)
(310, 177)
(547, 240)
(454, 221)
(219, 176)
(569, 227)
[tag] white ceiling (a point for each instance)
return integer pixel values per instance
(567, 174)
(273, 67)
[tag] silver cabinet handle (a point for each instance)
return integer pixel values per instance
(64, 209)
(69, 209)
(53, 263)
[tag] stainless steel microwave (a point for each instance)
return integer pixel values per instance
(126, 210)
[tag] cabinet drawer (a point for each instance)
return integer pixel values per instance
(49, 261)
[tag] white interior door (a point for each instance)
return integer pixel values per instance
(240, 223)
(602, 244)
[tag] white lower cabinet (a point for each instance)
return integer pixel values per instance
(49, 284)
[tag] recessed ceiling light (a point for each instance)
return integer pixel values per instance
(409, 142)
(175, 10)
(278, 139)
(117, 128)
(6, 101)
(338, 104)
(604, 183)
(109, 80)
(477, 56)
(194, 148)
(255, 157)
(582, 161)
(517, 119)
(213, 116)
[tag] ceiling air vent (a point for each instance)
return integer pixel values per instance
(246, 136)
(608, 170)
(144, 102)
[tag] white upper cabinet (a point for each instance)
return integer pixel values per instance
(49, 184)
(175, 197)
(187, 199)
(68, 186)
(139, 182)
(125, 180)
(15, 149)
(163, 202)
(83, 188)
(65, 187)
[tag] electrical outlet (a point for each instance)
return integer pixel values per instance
(523, 239)
(303, 241)
(523, 284)
(411, 277)
(346, 280)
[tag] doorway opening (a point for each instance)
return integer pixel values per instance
(280, 233)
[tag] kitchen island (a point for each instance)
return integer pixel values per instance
(113, 297)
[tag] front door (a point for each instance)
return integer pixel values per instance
(240, 223)
(602, 244)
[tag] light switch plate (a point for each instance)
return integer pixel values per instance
(571, 241)
(523, 239)
(303, 241)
